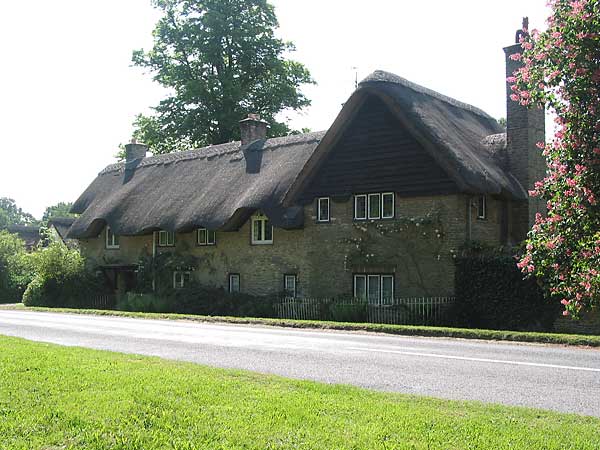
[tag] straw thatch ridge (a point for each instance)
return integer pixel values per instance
(217, 187)
(452, 132)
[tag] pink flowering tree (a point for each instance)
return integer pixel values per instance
(561, 70)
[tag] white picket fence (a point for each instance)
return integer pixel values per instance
(401, 311)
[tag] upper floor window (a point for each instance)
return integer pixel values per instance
(289, 285)
(180, 279)
(374, 288)
(482, 207)
(374, 206)
(262, 230)
(234, 282)
(112, 239)
(166, 238)
(323, 209)
(206, 237)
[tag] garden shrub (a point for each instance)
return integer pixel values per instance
(14, 273)
(491, 293)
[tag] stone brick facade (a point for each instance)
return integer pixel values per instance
(417, 247)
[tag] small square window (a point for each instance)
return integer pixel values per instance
(112, 240)
(181, 279)
(323, 209)
(166, 238)
(234, 282)
(289, 285)
(482, 207)
(360, 207)
(387, 205)
(206, 237)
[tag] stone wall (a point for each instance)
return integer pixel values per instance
(417, 247)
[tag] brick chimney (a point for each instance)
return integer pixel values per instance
(525, 127)
(253, 129)
(135, 151)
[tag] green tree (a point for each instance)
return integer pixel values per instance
(14, 273)
(561, 69)
(11, 214)
(61, 209)
(221, 60)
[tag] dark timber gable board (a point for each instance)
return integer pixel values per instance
(377, 154)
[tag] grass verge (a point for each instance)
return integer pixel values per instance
(406, 330)
(54, 397)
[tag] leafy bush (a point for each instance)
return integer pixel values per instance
(60, 279)
(14, 273)
(491, 293)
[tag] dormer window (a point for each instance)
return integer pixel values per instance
(112, 239)
(262, 230)
(482, 207)
(206, 237)
(166, 238)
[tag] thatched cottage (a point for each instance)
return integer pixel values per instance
(375, 207)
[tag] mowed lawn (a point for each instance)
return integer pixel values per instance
(54, 397)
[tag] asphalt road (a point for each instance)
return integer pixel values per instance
(564, 379)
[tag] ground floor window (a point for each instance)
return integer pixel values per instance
(374, 288)
(234, 282)
(289, 285)
(180, 279)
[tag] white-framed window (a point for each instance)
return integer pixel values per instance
(360, 207)
(262, 230)
(323, 209)
(112, 239)
(374, 206)
(289, 285)
(234, 282)
(166, 238)
(206, 237)
(374, 288)
(482, 207)
(180, 279)
(388, 205)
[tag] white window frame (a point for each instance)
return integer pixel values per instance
(393, 195)
(378, 216)
(356, 216)
(163, 238)
(263, 230)
(290, 292)
(482, 207)
(239, 282)
(179, 284)
(377, 278)
(207, 234)
(112, 243)
(323, 219)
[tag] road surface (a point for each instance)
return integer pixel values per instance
(558, 378)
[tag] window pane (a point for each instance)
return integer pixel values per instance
(234, 283)
(186, 278)
(257, 230)
(115, 239)
(373, 288)
(171, 238)
(360, 207)
(323, 210)
(388, 205)
(481, 207)
(290, 285)
(268, 230)
(202, 236)
(374, 206)
(161, 238)
(387, 288)
(360, 287)
(210, 237)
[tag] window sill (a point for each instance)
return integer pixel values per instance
(262, 242)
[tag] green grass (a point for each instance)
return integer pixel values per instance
(407, 330)
(54, 397)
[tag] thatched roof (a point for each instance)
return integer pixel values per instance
(220, 186)
(30, 234)
(216, 187)
(62, 225)
(454, 134)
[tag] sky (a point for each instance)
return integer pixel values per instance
(69, 93)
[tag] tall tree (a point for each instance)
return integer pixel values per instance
(562, 70)
(11, 214)
(221, 60)
(61, 209)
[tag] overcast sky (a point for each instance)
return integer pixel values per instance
(69, 93)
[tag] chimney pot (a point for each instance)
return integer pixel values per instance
(135, 151)
(252, 129)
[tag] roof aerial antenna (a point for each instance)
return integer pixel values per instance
(355, 76)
